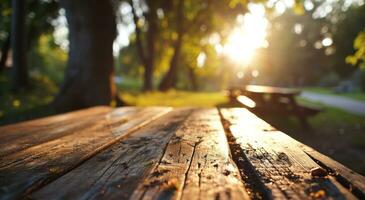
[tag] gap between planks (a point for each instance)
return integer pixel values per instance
(195, 165)
(282, 167)
(115, 172)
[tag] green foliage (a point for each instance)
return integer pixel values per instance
(47, 64)
(358, 58)
(129, 84)
(201, 19)
(39, 19)
(48, 59)
(291, 58)
(5, 19)
(330, 79)
(28, 103)
(349, 24)
(298, 7)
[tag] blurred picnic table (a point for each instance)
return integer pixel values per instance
(273, 100)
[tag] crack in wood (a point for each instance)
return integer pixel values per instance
(276, 162)
(187, 170)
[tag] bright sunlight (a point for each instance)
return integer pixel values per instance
(249, 35)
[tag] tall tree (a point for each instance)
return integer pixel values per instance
(147, 52)
(197, 19)
(18, 43)
(169, 80)
(4, 52)
(89, 74)
(5, 29)
(36, 25)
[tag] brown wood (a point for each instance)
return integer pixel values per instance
(33, 167)
(282, 168)
(23, 135)
(271, 90)
(115, 172)
(273, 100)
(195, 165)
(354, 181)
(165, 153)
(348, 177)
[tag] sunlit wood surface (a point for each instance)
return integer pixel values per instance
(165, 153)
(271, 90)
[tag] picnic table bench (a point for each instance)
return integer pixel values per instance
(165, 153)
(276, 100)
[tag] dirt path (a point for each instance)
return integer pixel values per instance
(349, 105)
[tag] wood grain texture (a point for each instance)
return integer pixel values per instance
(195, 165)
(27, 170)
(23, 135)
(353, 180)
(31, 126)
(164, 153)
(115, 172)
(282, 167)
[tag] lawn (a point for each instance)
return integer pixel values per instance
(33, 102)
(356, 95)
(174, 98)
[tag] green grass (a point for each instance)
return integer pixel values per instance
(334, 120)
(174, 98)
(335, 114)
(130, 84)
(356, 95)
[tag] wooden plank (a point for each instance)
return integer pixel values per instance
(195, 165)
(27, 170)
(353, 180)
(31, 126)
(283, 168)
(23, 135)
(116, 171)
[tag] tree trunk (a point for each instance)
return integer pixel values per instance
(170, 79)
(148, 56)
(151, 41)
(138, 32)
(89, 74)
(5, 52)
(18, 44)
(192, 77)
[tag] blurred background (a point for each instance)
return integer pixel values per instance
(62, 55)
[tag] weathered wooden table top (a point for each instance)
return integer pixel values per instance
(164, 153)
